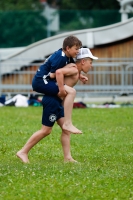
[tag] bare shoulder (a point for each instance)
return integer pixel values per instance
(70, 65)
(67, 71)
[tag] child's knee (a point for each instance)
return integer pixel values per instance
(46, 131)
(70, 90)
(73, 91)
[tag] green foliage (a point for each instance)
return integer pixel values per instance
(82, 19)
(13, 5)
(21, 28)
(61, 4)
(104, 152)
(87, 5)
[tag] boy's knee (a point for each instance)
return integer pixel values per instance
(72, 91)
(46, 131)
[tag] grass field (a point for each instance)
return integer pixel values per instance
(104, 152)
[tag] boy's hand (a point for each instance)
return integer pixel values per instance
(61, 94)
(83, 78)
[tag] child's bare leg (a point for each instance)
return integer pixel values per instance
(65, 141)
(68, 106)
(33, 140)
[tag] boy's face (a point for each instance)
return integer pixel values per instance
(73, 51)
(87, 65)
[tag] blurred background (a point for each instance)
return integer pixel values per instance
(31, 30)
(25, 22)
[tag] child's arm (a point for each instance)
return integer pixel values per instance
(68, 70)
(52, 75)
(83, 78)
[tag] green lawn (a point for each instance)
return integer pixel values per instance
(104, 152)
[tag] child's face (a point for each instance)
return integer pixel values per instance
(73, 51)
(87, 65)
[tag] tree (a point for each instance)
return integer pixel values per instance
(85, 4)
(22, 22)
(21, 28)
(12, 5)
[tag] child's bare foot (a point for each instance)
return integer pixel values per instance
(70, 160)
(71, 128)
(22, 156)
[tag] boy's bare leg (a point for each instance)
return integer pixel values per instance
(68, 103)
(65, 141)
(33, 140)
(68, 106)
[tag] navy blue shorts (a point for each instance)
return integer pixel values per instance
(52, 110)
(40, 86)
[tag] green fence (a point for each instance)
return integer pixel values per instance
(21, 28)
(75, 20)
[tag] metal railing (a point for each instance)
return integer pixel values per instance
(108, 77)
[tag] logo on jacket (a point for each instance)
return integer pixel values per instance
(52, 118)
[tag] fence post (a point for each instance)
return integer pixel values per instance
(123, 79)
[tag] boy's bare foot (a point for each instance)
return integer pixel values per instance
(70, 160)
(71, 128)
(22, 156)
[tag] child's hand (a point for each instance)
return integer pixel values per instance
(62, 94)
(83, 78)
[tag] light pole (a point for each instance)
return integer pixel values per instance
(126, 7)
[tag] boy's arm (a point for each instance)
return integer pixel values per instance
(52, 75)
(83, 78)
(68, 70)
